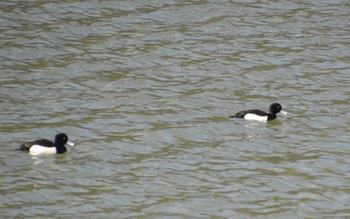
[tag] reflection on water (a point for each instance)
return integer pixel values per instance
(144, 90)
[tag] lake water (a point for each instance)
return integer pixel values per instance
(145, 88)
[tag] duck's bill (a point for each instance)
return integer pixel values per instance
(283, 112)
(70, 143)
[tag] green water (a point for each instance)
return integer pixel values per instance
(145, 88)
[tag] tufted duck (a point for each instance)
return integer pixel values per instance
(259, 115)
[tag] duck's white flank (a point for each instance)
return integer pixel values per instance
(251, 116)
(38, 149)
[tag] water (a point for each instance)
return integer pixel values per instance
(145, 88)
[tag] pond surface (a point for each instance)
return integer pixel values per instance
(145, 88)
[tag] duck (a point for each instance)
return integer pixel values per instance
(44, 146)
(259, 115)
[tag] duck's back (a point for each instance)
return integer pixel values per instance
(241, 114)
(43, 142)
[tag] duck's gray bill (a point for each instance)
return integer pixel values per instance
(70, 143)
(283, 112)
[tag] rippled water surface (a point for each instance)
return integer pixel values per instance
(145, 88)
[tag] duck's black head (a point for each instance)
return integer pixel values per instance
(61, 139)
(275, 108)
